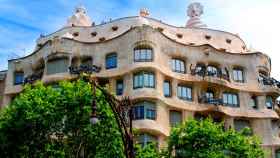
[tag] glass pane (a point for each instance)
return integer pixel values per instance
(173, 64)
(182, 66)
(184, 92)
(225, 100)
(136, 55)
(141, 80)
(179, 91)
(151, 80)
(57, 66)
(146, 80)
(175, 118)
(149, 54)
(189, 92)
(143, 54)
(230, 99)
(235, 100)
(166, 88)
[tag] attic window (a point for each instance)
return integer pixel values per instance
(115, 28)
(75, 34)
(102, 39)
(192, 44)
(160, 29)
(228, 41)
(208, 37)
(93, 34)
(179, 35)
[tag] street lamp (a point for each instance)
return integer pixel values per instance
(121, 108)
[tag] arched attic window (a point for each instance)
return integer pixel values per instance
(143, 53)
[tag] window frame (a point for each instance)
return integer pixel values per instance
(146, 138)
(49, 62)
(173, 124)
(230, 96)
(145, 51)
(146, 109)
(142, 79)
(212, 70)
(18, 74)
(188, 88)
(271, 102)
(178, 63)
(109, 57)
(119, 91)
(253, 99)
(236, 76)
(169, 88)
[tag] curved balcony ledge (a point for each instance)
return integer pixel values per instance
(150, 125)
(174, 102)
(186, 77)
(57, 77)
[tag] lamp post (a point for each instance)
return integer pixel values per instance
(121, 108)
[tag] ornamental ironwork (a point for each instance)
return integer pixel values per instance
(88, 69)
(269, 81)
(32, 78)
(201, 70)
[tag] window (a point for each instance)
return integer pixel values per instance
(57, 66)
(231, 99)
(144, 79)
(209, 95)
(212, 71)
(262, 76)
(145, 139)
(238, 75)
(269, 102)
(143, 54)
(184, 92)
(241, 124)
(18, 78)
(144, 110)
(178, 66)
(119, 87)
(253, 102)
(199, 69)
(167, 88)
(111, 61)
(175, 118)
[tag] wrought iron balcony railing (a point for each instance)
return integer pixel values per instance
(269, 81)
(84, 69)
(34, 77)
(214, 101)
(202, 71)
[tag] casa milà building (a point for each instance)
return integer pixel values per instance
(171, 73)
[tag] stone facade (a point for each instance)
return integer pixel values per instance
(168, 46)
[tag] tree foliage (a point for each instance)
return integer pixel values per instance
(54, 122)
(205, 139)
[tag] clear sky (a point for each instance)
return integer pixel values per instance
(256, 21)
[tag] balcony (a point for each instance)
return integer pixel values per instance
(214, 101)
(84, 69)
(33, 77)
(202, 70)
(265, 80)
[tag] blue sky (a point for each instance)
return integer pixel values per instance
(256, 21)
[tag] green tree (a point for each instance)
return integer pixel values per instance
(54, 122)
(206, 139)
